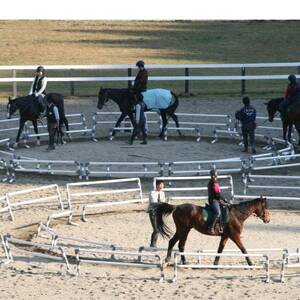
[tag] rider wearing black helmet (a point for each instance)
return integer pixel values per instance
(214, 198)
(141, 79)
(292, 94)
(38, 87)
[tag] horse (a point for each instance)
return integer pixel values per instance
(29, 109)
(124, 99)
(292, 116)
(187, 216)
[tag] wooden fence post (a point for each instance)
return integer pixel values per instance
(72, 85)
(15, 88)
(187, 82)
(129, 73)
(243, 81)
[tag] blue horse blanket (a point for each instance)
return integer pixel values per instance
(157, 98)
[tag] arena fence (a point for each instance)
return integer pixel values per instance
(16, 199)
(197, 186)
(277, 183)
(277, 157)
(263, 264)
(121, 258)
(97, 192)
(58, 253)
(289, 261)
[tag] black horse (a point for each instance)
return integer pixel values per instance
(29, 109)
(124, 99)
(292, 116)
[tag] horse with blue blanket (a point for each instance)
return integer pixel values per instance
(162, 101)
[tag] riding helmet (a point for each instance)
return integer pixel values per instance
(292, 78)
(40, 69)
(213, 173)
(140, 63)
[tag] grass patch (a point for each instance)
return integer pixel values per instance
(44, 42)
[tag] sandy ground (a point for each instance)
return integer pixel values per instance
(129, 227)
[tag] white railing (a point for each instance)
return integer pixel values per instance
(185, 67)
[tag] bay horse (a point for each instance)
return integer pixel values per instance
(187, 216)
(292, 116)
(29, 109)
(124, 99)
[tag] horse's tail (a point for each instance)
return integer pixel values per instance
(171, 109)
(161, 210)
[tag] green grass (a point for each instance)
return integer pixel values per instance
(157, 42)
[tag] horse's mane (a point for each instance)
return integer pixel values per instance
(249, 202)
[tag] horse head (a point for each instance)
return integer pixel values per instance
(273, 107)
(102, 97)
(262, 210)
(11, 108)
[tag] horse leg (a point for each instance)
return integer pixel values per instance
(164, 123)
(36, 131)
(181, 245)
(21, 127)
(175, 118)
(172, 242)
(297, 125)
(237, 240)
(290, 127)
(121, 118)
(222, 244)
(284, 129)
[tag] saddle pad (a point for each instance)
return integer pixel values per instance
(207, 214)
(157, 98)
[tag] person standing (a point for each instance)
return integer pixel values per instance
(52, 115)
(155, 196)
(247, 116)
(140, 123)
(38, 88)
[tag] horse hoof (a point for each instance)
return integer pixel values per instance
(38, 143)
(15, 145)
(26, 146)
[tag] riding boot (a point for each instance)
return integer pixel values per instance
(211, 228)
(144, 142)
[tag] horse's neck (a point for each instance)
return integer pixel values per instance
(245, 210)
(22, 104)
(277, 102)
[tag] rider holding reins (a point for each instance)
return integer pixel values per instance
(38, 88)
(215, 197)
(292, 94)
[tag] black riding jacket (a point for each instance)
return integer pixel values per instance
(140, 82)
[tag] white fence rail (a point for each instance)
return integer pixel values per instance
(98, 191)
(197, 185)
(51, 195)
(263, 264)
(184, 67)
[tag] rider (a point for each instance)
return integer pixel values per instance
(156, 196)
(38, 88)
(140, 81)
(52, 115)
(292, 94)
(247, 116)
(214, 198)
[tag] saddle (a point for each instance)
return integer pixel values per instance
(207, 214)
